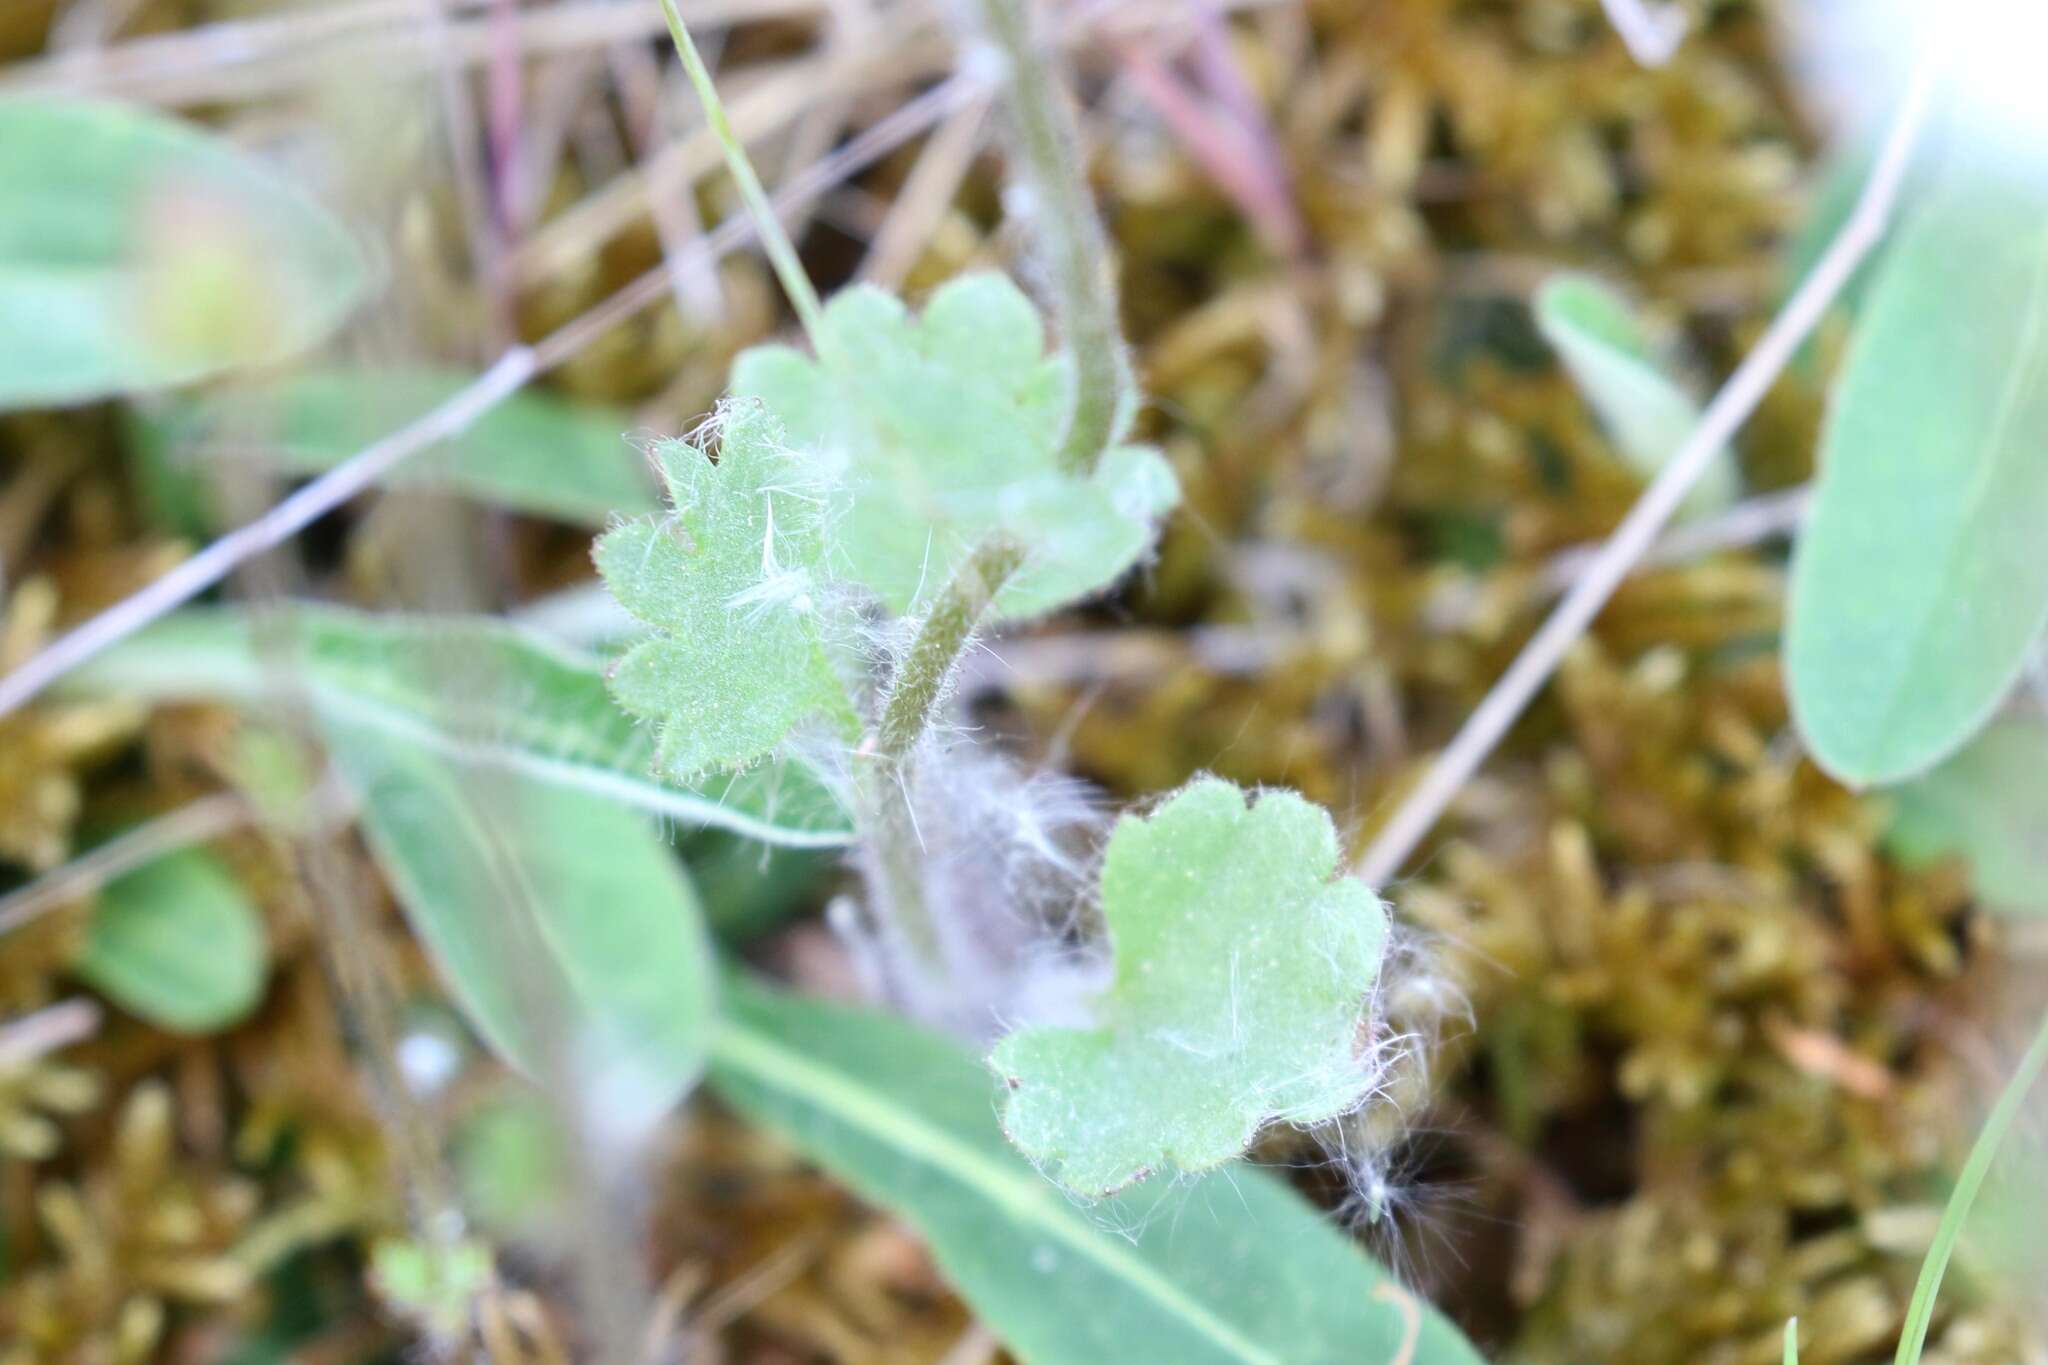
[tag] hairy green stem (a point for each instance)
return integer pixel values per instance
(1920, 1312)
(781, 251)
(941, 639)
(889, 827)
(1070, 236)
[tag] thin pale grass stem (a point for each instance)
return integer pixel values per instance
(512, 371)
(699, 293)
(1920, 1311)
(927, 194)
(803, 295)
(48, 1030)
(771, 102)
(1747, 523)
(1498, 711)
(255, 58)
(472, 195)
(766, 98)
(197, 822)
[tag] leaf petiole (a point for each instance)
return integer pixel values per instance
(884, 810)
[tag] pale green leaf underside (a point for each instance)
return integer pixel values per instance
(1647, 413)
(730, 581)
(1243, 976)
(533, 452)
(177, 942)
(1989, 803)
(939, 431)
(524, 705)
(1230, 1269)
(102, 199)
(562, 922)
(1919, 583)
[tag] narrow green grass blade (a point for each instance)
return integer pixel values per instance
(1645, 411)
(563, 923)
(533, 452)
(1230, 1269)
(1920, 1312)
(536, 709)
(781, 251)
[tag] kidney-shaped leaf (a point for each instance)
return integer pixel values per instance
(1244, 975)
(942, 430)
(1229, 1269)
(562, 922)
(177, 942)
(138, 252)
(1920, 584)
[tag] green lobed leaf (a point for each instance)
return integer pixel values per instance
(177, 942)
(1989, 804)
(730, 581)
(1244, 971)
(533, 452)
(939, 431)
(1647, 413)
(528, 706)
(138, 252)
(1918, 586)
(562, 923)
(1232, 1267)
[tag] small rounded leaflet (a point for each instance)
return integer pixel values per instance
(1242, 995)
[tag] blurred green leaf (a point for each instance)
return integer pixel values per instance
(748, 887)
(1244, 974)
(1232, 1267)
(527, 706)
(177, 942)
(510, 1161)
(138, 252)
(533, 452)
(1919, 585)
(434, 1286)
(562, 923)
(941, 430)
(1988, 804)
(1647, 413)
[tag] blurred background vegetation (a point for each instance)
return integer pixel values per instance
(1722, 1048)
